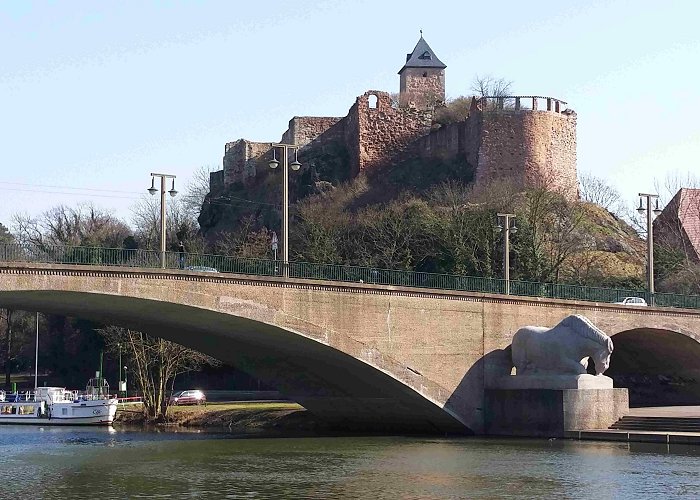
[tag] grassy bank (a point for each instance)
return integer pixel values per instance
(244, 416)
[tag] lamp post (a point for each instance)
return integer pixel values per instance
(126, 394)
(172, 192)
(506, 246)
(650, 238)
(295, 165)
(120, 368)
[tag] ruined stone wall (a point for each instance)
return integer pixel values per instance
(305, 129)
(240, 160)
(382, 131)
(445, 142)
(216, 180)
(421, 87)
(529, 148)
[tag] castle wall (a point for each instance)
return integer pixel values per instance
(529, 148)
(305, 129)
(383, 132)
(240, 160)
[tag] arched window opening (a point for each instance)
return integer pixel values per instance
(372, 101)
(425, 74)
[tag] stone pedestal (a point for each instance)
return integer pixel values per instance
(552, 412)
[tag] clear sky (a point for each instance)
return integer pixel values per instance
(96, 95)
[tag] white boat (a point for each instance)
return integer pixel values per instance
(58, 406)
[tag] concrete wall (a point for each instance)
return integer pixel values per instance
(347, 351)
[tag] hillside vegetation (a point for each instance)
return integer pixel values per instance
(425, 216)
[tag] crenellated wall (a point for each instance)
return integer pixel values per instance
(529, 148)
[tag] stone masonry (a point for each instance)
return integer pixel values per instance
(529, 141)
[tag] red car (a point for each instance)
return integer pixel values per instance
(193, 397)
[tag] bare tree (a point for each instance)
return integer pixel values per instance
(490, 86)
(551, 232)
(197, 189)
(155, 363)
(180, 225)
(599, 191)
(83, 225)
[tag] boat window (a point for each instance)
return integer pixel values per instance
(26, 410)
(64, 411)
(8, 410)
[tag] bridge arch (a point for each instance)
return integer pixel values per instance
(342, 381)
(659, 366)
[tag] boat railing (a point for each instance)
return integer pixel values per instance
(18, 396)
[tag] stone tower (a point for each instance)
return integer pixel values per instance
(422, 78)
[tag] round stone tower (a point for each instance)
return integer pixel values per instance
(422, 78)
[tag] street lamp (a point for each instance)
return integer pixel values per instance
(295, 165)
(126, 394)
(506, 247)
(172, 192)
(650, 238)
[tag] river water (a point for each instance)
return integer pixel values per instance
(100, 463)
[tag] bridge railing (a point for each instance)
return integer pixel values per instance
(54, 254)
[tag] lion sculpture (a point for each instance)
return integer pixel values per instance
(561, 350)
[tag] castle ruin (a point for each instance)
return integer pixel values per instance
(529, 141)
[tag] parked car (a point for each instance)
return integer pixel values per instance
(632, 301)
(191, 397)
(202, 269)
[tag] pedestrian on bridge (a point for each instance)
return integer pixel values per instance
(181, 251)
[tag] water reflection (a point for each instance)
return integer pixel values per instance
(118, 463)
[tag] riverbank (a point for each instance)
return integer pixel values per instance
(243, 416)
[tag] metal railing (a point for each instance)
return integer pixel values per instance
(329, 272)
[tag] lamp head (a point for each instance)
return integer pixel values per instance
(641, 208)
(295, 165)
(172, 191)
(153, 189)
(499, 228)
(657, 210)
(273, 163)
(513, 229)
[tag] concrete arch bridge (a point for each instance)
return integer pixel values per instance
(361, 356)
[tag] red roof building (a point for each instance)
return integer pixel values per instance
(678, 225)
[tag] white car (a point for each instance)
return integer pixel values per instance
(202, 269)
(632, 301)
